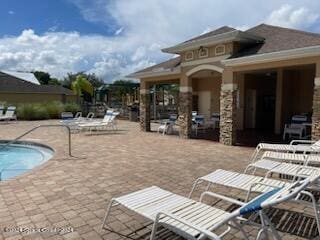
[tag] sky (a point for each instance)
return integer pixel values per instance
(113, 38)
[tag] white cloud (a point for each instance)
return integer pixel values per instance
(11, 12)
(60, 53)
(119, 31)
(140, 29)
(288, 16)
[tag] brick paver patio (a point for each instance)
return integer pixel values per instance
(74, 192)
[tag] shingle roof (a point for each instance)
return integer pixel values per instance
(169, 64)
(279, 39)
(12, 84)
(25, 76)
(217, 31)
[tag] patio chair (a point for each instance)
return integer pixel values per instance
(296, 127)
(1, 110)
(9, 114)
(295, 146)
(66, 115)
(256, 184)
(198, 123)
(215, 118)
(196, 220)
(166, 127)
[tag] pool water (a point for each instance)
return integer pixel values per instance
(16, 159)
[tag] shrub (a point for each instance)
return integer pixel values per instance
(72, 107)
(32, 112)
(41, 111)
(54, 109)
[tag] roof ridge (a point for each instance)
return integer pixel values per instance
(207, 33)
(286, 28)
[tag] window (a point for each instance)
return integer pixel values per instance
(203, 52)
(220, 50)
(189, 55)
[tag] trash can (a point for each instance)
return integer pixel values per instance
(133, 113)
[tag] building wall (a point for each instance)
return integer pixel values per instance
(297, 92)
(209, 84)
(35, 98)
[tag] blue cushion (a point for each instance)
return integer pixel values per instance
(255, 205)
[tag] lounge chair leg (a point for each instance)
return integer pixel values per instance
(315, 208)
(154, 228)
(194, 187)
(208, 187)
(107, 214)
(271, 227)
(245, 235)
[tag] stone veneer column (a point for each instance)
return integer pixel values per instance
(228, 109)
(185, 108)
(144, 106)
(316, 105)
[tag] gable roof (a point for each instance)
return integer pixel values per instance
(10, 84)
(25, 76)
(261, 39)
(278, 39)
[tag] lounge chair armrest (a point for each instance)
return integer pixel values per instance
(257, 184)
(209, 234)
(295, 142)
(222, 197)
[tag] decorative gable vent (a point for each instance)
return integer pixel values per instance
(203, 52)
(189, 56)
(220, 50)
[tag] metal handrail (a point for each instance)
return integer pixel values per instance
(41, 126)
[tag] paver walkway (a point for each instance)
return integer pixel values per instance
(74, 192)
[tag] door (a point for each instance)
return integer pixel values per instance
(251, 105)
(204, 100)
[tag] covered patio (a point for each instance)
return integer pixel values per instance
(254, 82)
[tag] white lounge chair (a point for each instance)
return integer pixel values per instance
(304, 159)
(73, 123)
(288, 169)
(296, 127)
(295, 146)
(256, 184)
(107, 122)
(196, 220)
(9, 114)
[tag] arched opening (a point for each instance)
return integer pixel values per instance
(206, 85)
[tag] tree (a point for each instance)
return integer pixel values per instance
(43, 77)
(91, 77)
(81, 86)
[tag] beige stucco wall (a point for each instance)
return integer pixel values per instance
(209, 84)
(297, 92)
(34, 98)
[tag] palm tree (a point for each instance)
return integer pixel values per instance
(81, 85)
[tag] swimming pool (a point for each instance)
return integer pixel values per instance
(21, 157)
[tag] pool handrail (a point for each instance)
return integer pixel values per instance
(40, 126)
